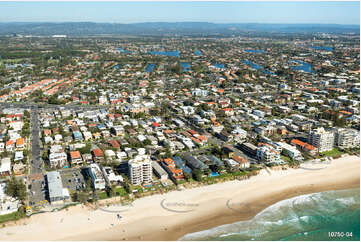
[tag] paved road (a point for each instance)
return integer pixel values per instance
(36, 162)
(37, 191)
(49, 106)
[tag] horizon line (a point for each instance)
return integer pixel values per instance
(109, 22)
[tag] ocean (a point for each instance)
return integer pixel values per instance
(306, 217)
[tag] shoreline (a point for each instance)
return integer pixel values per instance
(213, 205)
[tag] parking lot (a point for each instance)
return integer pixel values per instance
(73, 179)
(38, 193)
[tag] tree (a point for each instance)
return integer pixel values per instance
(16, 188)
(26, 114)
(126, 185)
(187, 176)
(110, 191)
(197, 174)
(83, 197)
(86, 149)
(75, 197)
(88, 186)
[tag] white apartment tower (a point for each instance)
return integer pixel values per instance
(320, 138)
(268, 154)
(347, 138)
(140, 170)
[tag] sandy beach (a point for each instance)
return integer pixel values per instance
(170, 216)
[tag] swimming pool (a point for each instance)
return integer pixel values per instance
(214, 174)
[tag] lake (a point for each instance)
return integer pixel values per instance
(198, 53)
(218, 65)
(166, 53)
(150, 67)
(326, 48)
(186, 66)
(306, 67)
(258, 67)
(121, 50)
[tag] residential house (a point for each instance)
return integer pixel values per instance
(243, 162)
(20, 144)
(194, 163)
(97, 155)
(10, 146)
(75, 157)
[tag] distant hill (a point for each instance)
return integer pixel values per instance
(161, 28)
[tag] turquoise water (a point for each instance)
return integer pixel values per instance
(308, 217)
(214, 174)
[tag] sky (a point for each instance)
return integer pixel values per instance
(216, 12)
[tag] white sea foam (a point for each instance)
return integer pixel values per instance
(290, 214)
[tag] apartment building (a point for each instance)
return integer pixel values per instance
(268, 154)
(140, 170)
(291, 151)
(347, 138)
(98, 181)
(320, 138)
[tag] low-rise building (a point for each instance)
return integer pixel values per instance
(75, 157)
(7, 204)
(5, 167)
(159, 171)
(310, 149)
(55, 187)
(57, 159)
(291, 151)
(110, 176)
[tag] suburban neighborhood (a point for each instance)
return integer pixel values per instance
(86, 119)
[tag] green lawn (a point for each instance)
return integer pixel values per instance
(286, 158)
(121, 191)
(331, 153)
(102, 195)
(9, 217)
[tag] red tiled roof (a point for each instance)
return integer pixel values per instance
(114, 143)
(98, 152)
(155, 124)
(75, 154)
